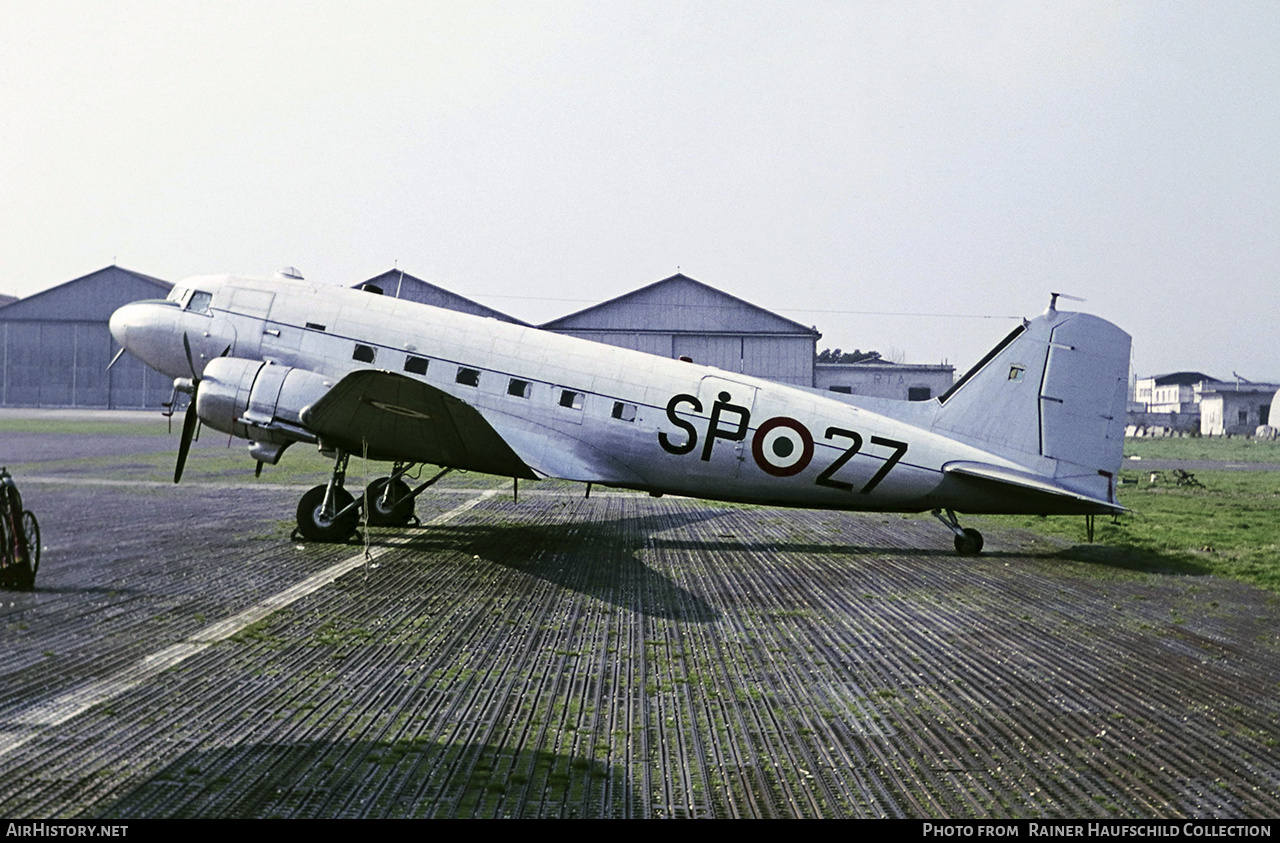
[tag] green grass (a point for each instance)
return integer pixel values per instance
(301, 465)
(1234, 449)
(1229, 528)
(98, 427)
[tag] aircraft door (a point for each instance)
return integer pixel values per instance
(727, 404)
(296, 331)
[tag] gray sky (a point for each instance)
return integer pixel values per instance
(824, 160)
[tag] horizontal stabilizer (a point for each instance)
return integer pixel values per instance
(1033, 487)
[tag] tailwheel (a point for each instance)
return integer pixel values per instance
(390, 503)
(969, 544)
(316, 523)
(968, 540)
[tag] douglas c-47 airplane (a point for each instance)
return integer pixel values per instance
(1036, 427)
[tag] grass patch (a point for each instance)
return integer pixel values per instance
(301, 465)
(93, 427)
(1229, 528)
(1235, 449)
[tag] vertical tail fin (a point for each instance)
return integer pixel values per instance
(1050, 397)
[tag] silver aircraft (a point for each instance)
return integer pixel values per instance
(1035, 427)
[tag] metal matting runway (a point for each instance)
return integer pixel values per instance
(621, 656)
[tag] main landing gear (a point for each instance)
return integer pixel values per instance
(329, 513)
(968, 540)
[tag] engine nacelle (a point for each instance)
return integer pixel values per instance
(259, 401)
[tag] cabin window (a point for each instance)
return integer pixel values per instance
(415, 365)
(919, 393)
(315, 326)
(622, 411)
(517, 388)
(468, 377)
(570, 399)
(844, 390)
(364, 353)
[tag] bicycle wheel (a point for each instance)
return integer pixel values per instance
(31, 528)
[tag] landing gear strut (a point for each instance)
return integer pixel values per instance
(389, 499)
(329, 513)
(968, 540)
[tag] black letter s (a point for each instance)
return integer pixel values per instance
(687, 427)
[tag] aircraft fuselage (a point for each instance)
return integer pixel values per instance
(580, 410)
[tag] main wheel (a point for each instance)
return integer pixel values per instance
(314, 525)
(970, 544)
(32, 530)
(394, 514)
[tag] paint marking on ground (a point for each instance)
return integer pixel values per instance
(53, 712)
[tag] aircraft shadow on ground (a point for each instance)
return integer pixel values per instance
(615, 539)
(598, 558)
(1126, 558)
(411, 776)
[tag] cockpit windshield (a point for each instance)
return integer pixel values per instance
(193, 301)
(199, 302)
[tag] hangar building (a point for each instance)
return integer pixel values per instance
(681, 317)
(401, 285)
(55, 346)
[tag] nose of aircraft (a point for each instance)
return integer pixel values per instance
(150, 331)
(119, 325)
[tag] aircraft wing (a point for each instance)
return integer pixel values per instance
(393, 417)
(1033, 490)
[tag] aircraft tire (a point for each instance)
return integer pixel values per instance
(970, 544)
(396, 516)
(314, 527)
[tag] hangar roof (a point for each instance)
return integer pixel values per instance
(679, 304)
(1183, 379)
(89, 298)
(412, 288)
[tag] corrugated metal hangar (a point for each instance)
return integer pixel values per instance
(681, 317)
(55, 346)
(401, 285)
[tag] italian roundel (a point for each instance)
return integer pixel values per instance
(782, 447)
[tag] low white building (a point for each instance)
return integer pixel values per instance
(905, 381)
(1235, 409)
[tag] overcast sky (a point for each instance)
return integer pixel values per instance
(839, 163)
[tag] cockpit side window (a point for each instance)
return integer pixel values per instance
(199, 302)
(177, 294)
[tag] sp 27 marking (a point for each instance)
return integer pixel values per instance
(781, 446)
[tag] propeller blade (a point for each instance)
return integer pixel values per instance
(189, 421)
(119, 354)
(257, 472)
